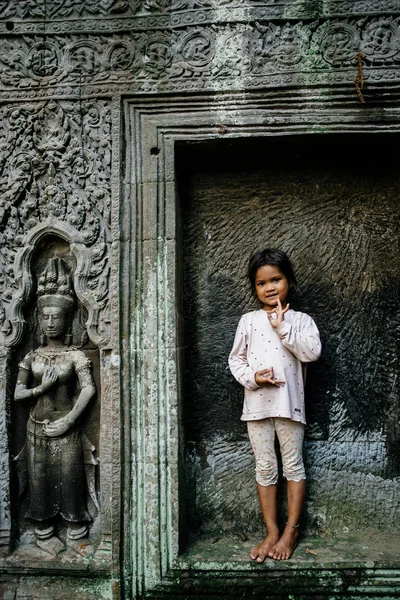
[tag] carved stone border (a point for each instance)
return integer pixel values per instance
(152, 362)
(235, 47)
(64, 16)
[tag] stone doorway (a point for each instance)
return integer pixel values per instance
(186, 163)
(331, 202)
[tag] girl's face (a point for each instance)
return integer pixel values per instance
(271, 284)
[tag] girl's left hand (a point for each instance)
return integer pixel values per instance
(279, 311)
(266, 377)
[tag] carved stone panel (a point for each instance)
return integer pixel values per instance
(159, 46)
(56, 178)
(55, 218)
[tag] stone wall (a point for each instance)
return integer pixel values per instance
(143, 143)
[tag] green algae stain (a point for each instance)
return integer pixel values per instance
(305, 9)
(316, 128)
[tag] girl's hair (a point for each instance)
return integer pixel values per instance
(273, 257)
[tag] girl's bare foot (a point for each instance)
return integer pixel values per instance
(284, 548)
(260, 552)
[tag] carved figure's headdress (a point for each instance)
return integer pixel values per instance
(54, 287)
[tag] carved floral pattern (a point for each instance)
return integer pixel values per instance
(285, 44)
(42, 9)
(230, 51)
(337, 42)
(56, 164)
(381, 39)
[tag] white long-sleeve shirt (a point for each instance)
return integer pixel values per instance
(259, 346)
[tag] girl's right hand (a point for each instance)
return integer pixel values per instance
(266, 377)
(278, 314)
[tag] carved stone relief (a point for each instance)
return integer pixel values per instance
(57, 460)
(181, 53)
(56, 203)
(56, 176)
(39, 9)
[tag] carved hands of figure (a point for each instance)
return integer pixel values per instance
(50, 377)
(62, 425)
(49, 380)
(57, 428)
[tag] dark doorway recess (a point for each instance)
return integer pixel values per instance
(332, 203)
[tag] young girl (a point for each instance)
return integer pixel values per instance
(268, 355)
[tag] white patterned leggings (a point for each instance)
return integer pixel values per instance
(262, 438)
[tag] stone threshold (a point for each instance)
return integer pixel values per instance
(362, 565)
(366, 548)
